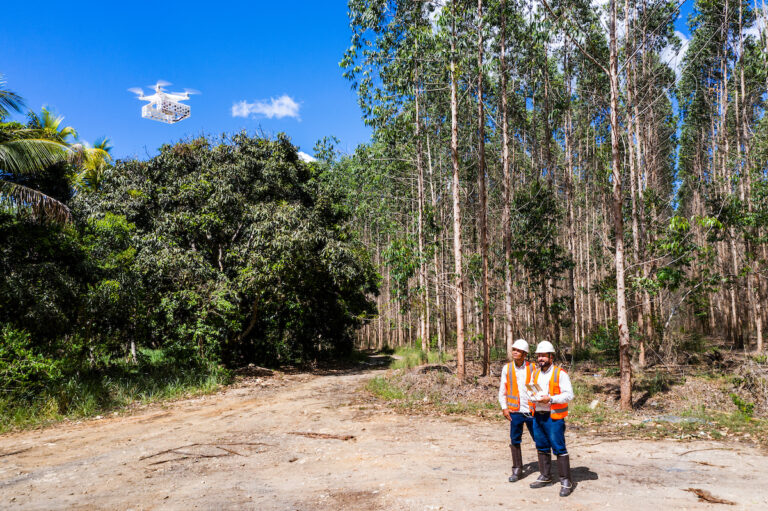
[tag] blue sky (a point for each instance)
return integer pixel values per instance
(80, 58)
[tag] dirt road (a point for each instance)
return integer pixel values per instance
(248, 448)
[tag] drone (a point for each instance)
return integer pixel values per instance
(164, 106)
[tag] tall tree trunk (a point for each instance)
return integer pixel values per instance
(423, 287)
(439, 316)
(631, 138)
(481, 189)
(570, 199)
(625, 368)
(457, 249)
(506, 189)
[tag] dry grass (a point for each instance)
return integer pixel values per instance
(683, 402)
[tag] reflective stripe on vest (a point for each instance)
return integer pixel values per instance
(560, 410)
(557, 411)
(513, 395)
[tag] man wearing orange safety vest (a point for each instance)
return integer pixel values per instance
(551, 408)
(514, 401)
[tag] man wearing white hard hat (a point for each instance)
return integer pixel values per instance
(550, 409)
(514, 402)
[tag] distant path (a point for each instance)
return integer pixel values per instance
(237, 450)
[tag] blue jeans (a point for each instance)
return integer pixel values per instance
(549, 434)
(516, 427)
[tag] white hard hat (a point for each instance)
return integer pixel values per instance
(521, 345)
(545, 347)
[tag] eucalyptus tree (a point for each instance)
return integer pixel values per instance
(504, 15)
(717, 111)
(389, 45)
(617, 199)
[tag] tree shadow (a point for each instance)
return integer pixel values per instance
(361, 362)
(642, 400)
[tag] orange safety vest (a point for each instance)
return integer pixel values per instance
(513, 395)
(557, 411)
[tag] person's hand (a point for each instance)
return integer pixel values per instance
(507, 414)
(545, 399)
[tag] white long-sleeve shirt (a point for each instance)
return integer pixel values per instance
(566, 390)
(520, 376)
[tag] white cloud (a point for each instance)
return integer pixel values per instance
(305, 157)
(675, 59)
(756, 29)
(284, 106)
(435, 12)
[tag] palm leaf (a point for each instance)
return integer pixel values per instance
(9, 101)
(105, 144)
(89, 179)
(30, 156)
(16, 196)
(51, 124)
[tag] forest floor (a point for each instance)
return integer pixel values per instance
(325, 441)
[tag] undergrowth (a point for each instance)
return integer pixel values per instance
(412, 357)
(88, 393)
(594, 409)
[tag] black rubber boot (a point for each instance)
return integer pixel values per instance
(545, 465)
(564, 470)
(517, 463)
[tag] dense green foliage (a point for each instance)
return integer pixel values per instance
(215, 252)
(235, 251)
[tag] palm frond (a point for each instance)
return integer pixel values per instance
(83, 155)
(51, 125)
(9, 101)
(16, 196)
(98, 154)
(105, 144)
(90, 178)
(67, 131)
(30, 156)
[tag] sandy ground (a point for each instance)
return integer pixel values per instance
(243, 449)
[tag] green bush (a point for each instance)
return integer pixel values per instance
(412, 357)
(745, 407)
(602, 343)
(23, 371)
(383, 388)
(227, 250)
(86, 391)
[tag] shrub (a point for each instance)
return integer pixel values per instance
(745, 407)
(23, 371)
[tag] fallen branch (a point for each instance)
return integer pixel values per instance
(195, 455)
(14, 452)
(708, 464)
(708, 449)
(166, 451)
(229, 450)
(323, 435)
(177, 450)
(438, 368)
(166, 461)
(705, 496)
(586, 445)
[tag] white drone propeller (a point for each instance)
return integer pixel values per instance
(160, 83)
(188, 91)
